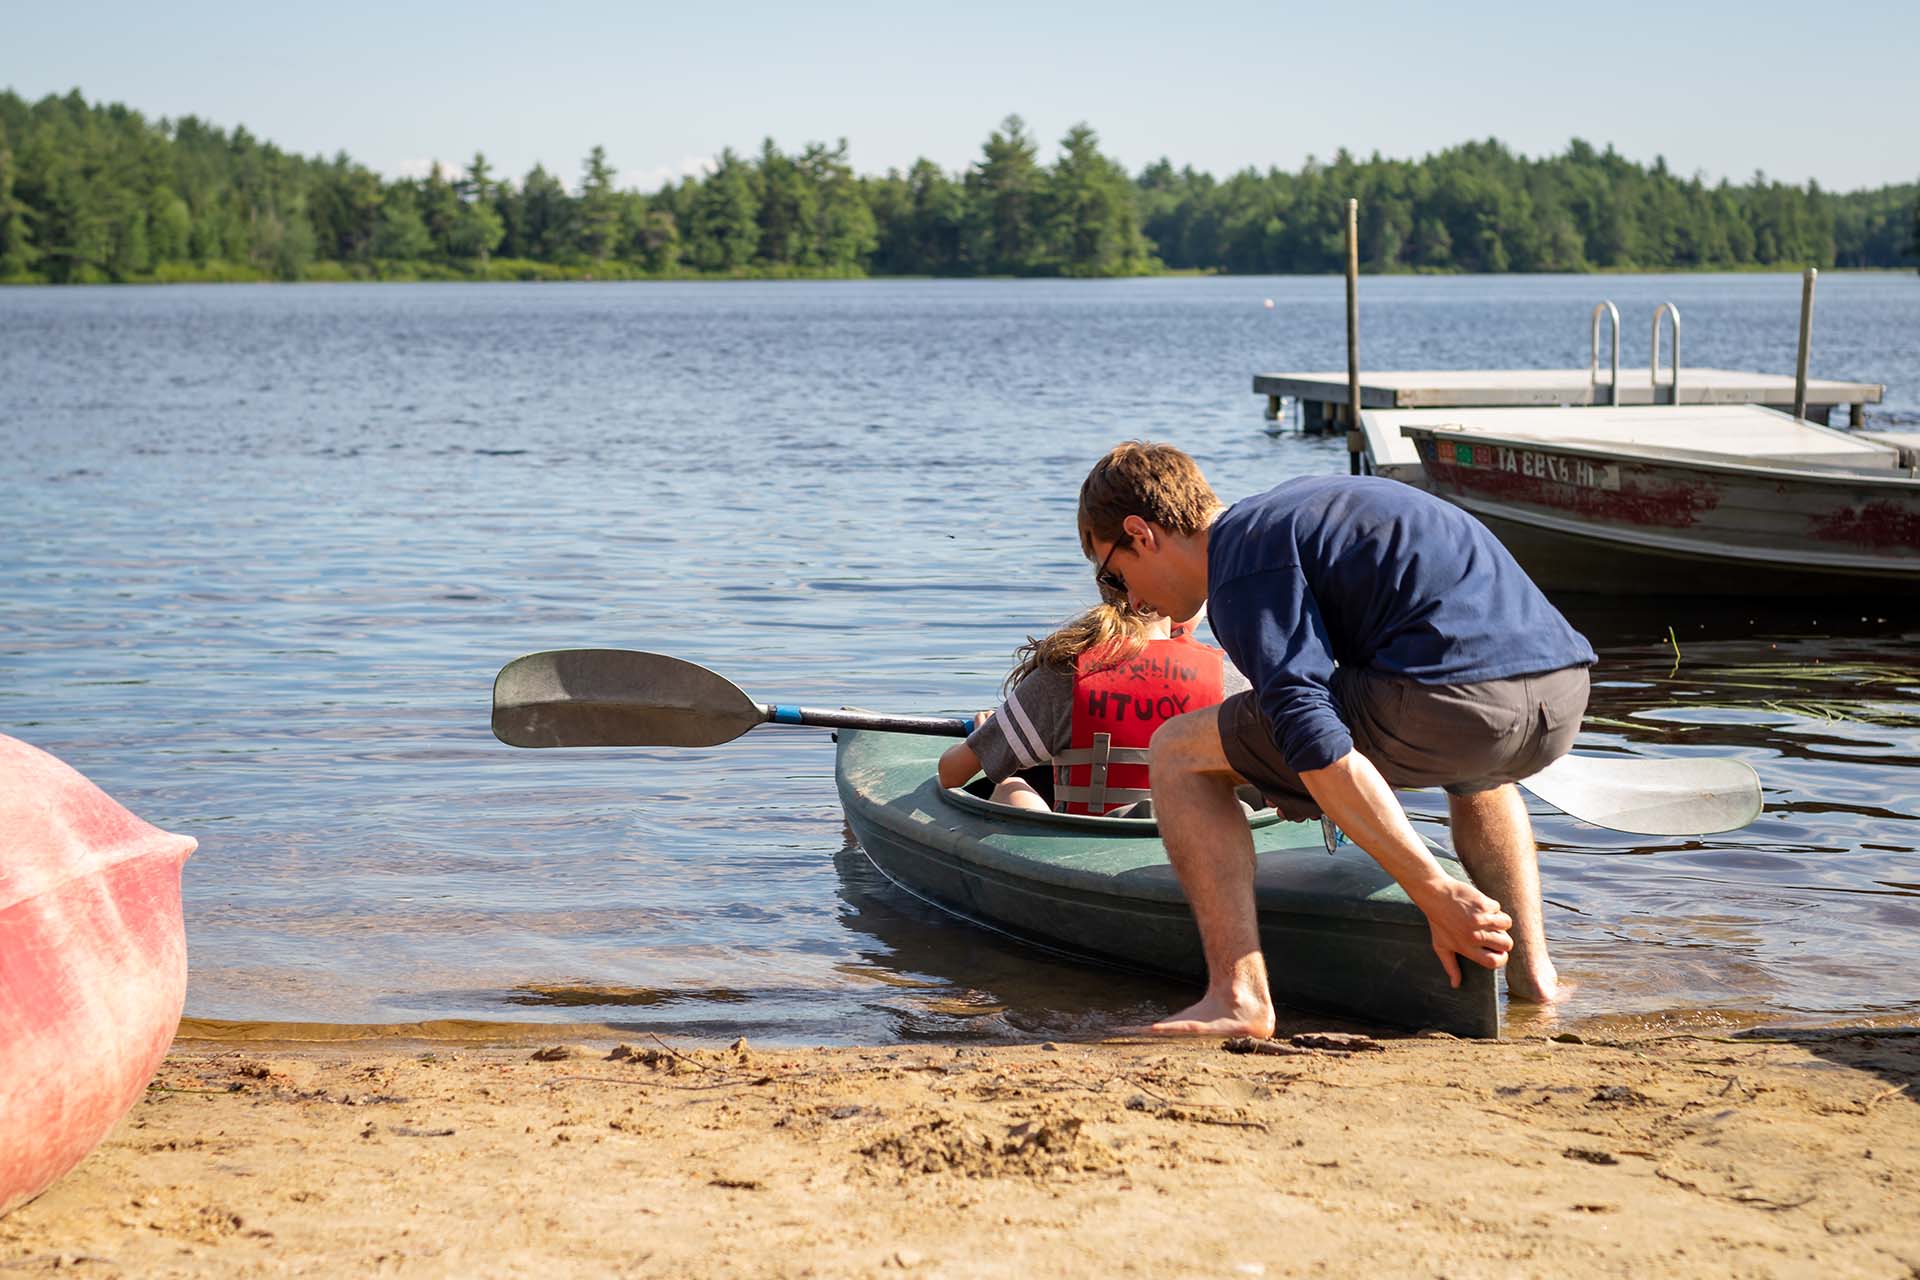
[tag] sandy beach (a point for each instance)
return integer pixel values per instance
(446, 1149)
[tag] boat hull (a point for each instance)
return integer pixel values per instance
(1562, 562)
(93, 969)
(1589, 520)
(1339, 936)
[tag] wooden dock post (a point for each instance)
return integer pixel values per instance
(1806, 341)
(1355, 443)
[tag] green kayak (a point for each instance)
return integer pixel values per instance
(1339, 935)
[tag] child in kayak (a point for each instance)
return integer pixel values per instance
(1080, 708)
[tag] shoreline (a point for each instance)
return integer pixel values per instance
(530, 272)
(1527, 1023)
(572, 1152)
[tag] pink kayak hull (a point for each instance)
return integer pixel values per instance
(93, 964)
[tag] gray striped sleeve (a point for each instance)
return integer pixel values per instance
(1031, 726)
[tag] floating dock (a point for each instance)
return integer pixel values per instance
(1322, 396)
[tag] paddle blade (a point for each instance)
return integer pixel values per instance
(616, 698)
(1691, 796)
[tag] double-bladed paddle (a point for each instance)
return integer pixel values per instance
(624, 698)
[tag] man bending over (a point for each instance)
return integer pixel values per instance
(1390, 641)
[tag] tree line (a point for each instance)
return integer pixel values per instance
(100, 193)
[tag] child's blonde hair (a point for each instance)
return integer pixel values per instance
(1114, 630)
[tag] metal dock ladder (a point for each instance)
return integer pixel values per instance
(1593, 367)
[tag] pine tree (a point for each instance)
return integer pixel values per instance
(1913, 246)
(477, 228)
(548, 212)
(844, 234)
(1003, 186)
(789, 209)
(17, 252)
(1089, 221)
(598, 223)
(439, 206)
(724, 233)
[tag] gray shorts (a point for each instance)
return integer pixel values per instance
(1464, 737)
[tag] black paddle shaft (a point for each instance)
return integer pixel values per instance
(931, 726)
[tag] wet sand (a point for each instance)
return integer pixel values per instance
(566, 1152)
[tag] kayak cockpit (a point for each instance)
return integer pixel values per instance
(976, 797)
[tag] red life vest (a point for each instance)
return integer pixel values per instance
(1116, 709)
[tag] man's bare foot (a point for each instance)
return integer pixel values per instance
(1536, 988)
(1217, 1016)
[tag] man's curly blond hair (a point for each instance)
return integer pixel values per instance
(1157, 482)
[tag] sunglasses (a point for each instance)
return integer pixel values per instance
(1109, 579)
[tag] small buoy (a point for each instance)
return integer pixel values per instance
(1269, 304)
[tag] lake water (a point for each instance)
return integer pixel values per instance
(264, 549)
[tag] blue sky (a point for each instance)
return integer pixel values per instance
(1830, 92)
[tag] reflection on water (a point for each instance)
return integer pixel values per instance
(586, 994)
(266, 549)
(1801, 917)
(975, 982)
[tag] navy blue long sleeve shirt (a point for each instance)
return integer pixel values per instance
(1368, 572)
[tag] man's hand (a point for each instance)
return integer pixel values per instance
(1465, 922)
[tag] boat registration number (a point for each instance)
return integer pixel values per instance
(1579, 472)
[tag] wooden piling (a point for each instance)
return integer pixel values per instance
(1806, 341)
(1354, 441)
